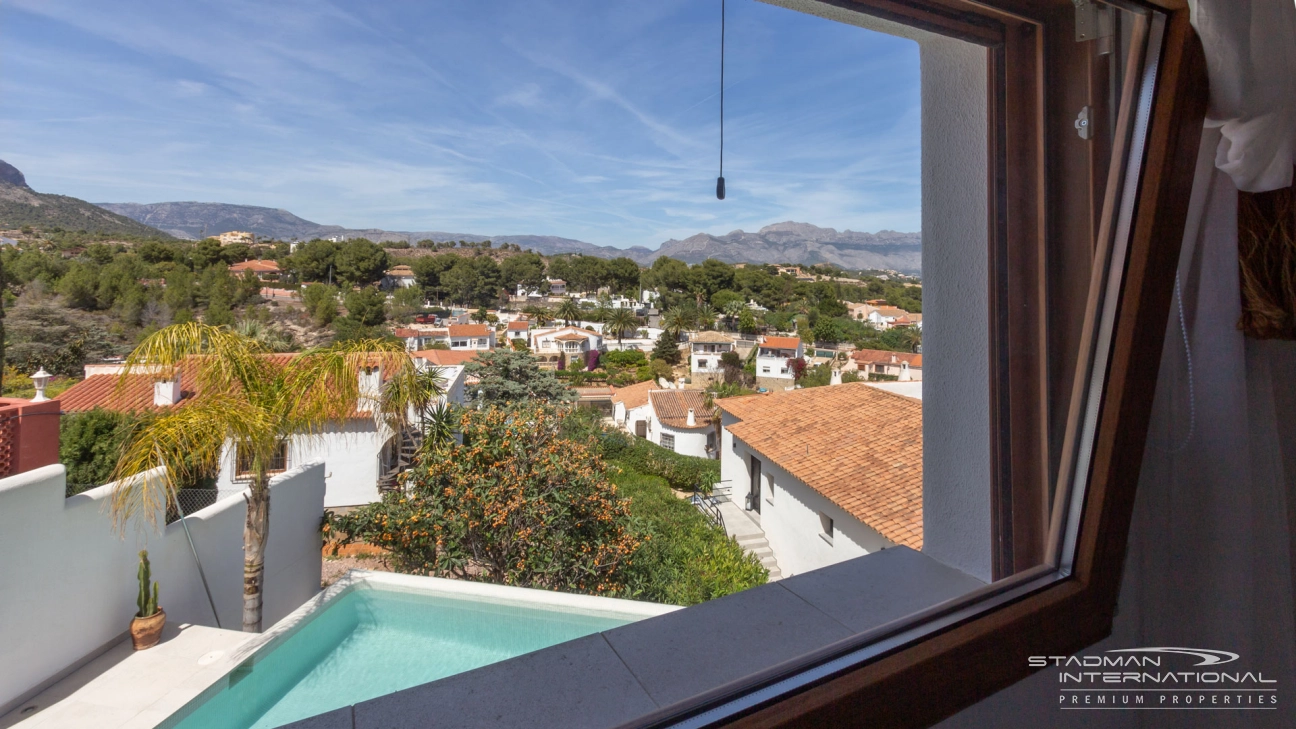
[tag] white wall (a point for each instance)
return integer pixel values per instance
(350, 455)
(691, 442)
(789, 514)
(68, 584)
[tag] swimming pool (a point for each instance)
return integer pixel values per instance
(381, 633)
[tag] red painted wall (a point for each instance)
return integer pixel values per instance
(29, 432)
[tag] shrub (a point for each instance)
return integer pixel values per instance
(519, 503)
(685, 473)
(625, 358)
(89, 444)
(684, 559)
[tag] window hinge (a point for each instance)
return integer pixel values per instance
(1093, 21)
(1082, 123)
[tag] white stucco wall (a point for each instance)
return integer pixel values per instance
(69, 584)
(690, 442)
(789, 514)
(350, 455)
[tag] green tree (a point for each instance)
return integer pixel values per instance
(367, 307)
(667, 349)
(623, 275)
(255, 405)
(547, 517)
(405, 303)
(320, 301)
(747, 322)
(507, 376)
(568, 311)
(827, 331)
(79, 287)
(619, 322)
(360, 262)
(313, 260)
(525, 269)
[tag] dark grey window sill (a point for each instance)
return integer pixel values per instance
(617, 676)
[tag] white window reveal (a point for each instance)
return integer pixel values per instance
(826, 524)
(668, 441)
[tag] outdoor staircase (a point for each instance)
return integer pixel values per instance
(757, 544)
(410, 440)
(746, 532)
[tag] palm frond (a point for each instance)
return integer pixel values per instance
(234, 359)
(186, 442)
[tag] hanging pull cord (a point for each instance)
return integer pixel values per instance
(720, 183)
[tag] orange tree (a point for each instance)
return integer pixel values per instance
(519, 502)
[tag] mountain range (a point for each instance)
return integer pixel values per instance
(787, 242)
(21, 206)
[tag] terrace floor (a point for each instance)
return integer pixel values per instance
(127, 689)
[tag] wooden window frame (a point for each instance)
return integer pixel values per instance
(1053, 595)
(241, 475)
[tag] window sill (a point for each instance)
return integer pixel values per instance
(625, 674)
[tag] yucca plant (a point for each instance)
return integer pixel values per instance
(251, 402)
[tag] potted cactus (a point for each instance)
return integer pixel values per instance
(146, 628)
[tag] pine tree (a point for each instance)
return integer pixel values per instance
(666, 349)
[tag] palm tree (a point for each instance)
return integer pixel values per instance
(568, 311)
(705, 316)
(602, 312)
(252, 404)
(911, 337)
(619, 322)
(674, 321)
(733, 310)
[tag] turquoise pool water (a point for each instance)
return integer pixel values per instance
(372, 642)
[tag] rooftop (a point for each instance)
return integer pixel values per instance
(469, 330)
(255, 267)
(445, 357)
(672, 406)
(859, 446)
(881, 356)
(635, 396)
(781, 342)
(711, 338)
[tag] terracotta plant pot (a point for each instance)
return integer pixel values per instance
(145, 632)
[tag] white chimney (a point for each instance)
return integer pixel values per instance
(904, 372)
(836, 376)
(370, 389)
(167, 392)
(692, 421)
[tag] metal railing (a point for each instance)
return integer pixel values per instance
(191, 500)
(710, 508)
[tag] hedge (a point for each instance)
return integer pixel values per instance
(683, 473)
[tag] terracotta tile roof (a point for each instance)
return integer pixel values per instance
(593, 393)
(400, 271)
(255, 266)
(519, 326)
(781, 342)
(635, 396)
(404, 333)
(469, 330)
(446, 357)
(859, 446)
(571, 337)
(881, 356)
(137, 393)
(672, 406)
(711, 338)
(891, 312)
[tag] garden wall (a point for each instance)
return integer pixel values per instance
(68, 585)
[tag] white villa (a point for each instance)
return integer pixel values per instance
(679, 420)
(474, 337)
(399, 277)
(849, 484)
(361, 453)
(630, 409)
(706, 349)
(881, 364)
(772, 370)
(554, 347)
(518, 329)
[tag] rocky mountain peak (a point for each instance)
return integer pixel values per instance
(11, 176)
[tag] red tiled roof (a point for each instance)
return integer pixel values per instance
(136, 394)
(469, 330)
(672, 406)
(519, 326)
(881, 356)
(403, 333)
(571, 337)
(781, 342)
(859, 446)
(635, 396)
(255, 266)
(446, 357)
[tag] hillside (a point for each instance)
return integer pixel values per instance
(789, 242)
(22, 206)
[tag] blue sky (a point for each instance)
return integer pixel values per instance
(589, 119)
